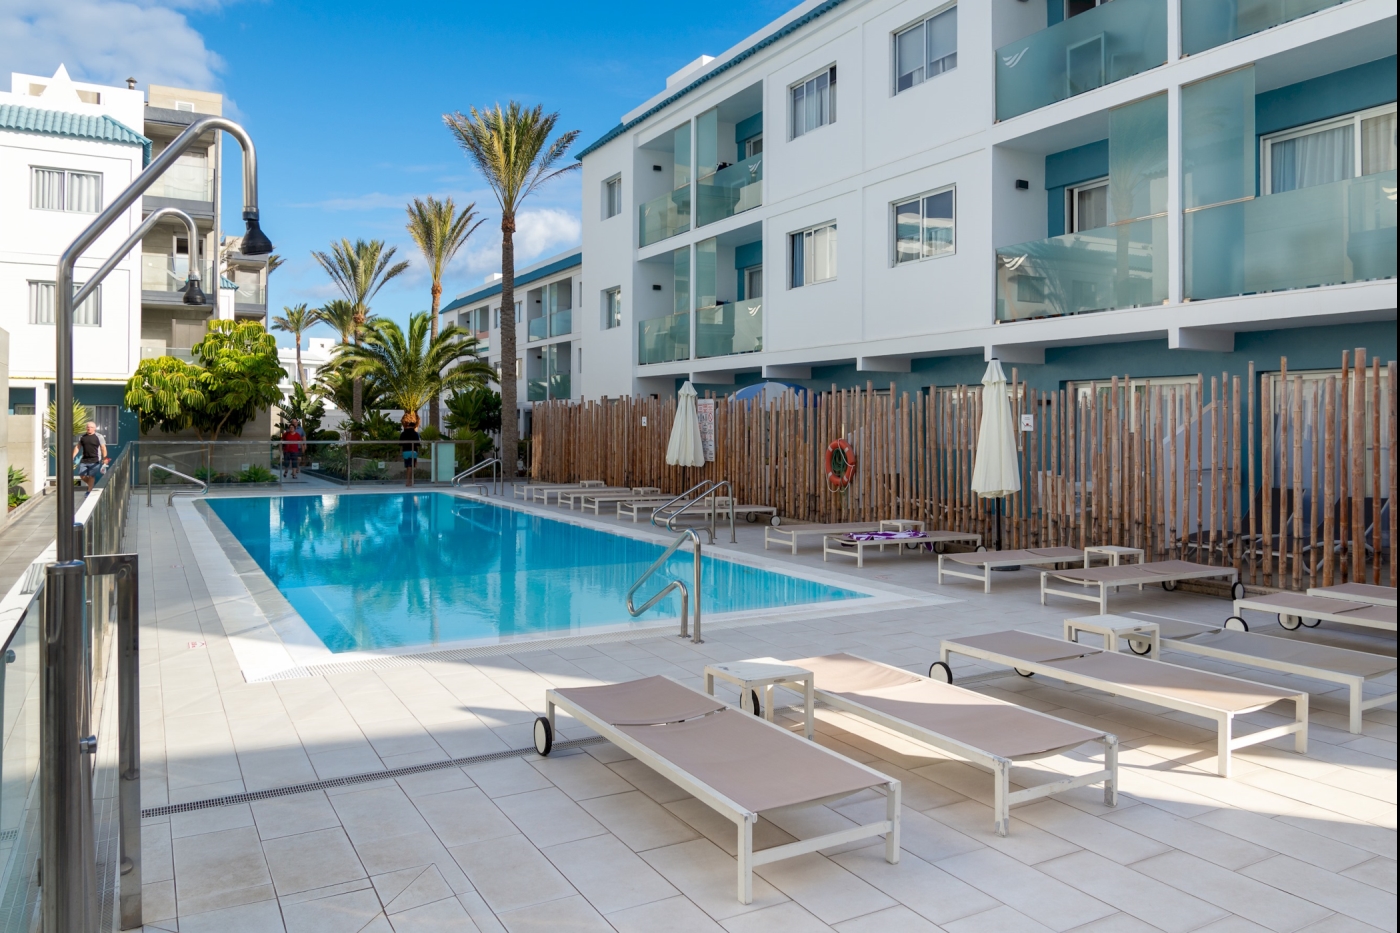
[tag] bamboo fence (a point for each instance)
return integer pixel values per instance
(1162, 466)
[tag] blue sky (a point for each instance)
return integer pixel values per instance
(345, 101)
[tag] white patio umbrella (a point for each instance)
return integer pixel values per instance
(685, 447)
(996, 471)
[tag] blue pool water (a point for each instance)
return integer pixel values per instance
(392, 571)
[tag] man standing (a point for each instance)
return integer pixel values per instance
(91, 450)
(408, 440)
(291, 449)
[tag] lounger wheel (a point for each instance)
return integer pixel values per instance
(1138, 646)
(1237, 590)
(1313, 624)
(544, 736)
(1236, 624)
(1289, 622)
(939, 670)
(1169, 585)
(1024, 673)
(939, 547)
(980, 548)
(775, 521)
(751, 517)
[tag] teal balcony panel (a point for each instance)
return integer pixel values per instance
(1208, 23)
(536, 390)
(1323, 235)
(559, 385)
(730, 191)
(664, 217)
(664, 339)
(1123, 266)
(1109, 43)
(561, 322)
(730, 328)
(538, 328)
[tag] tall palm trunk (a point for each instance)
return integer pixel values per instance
(510, 416)
(301, 373)
(434, 416)
(357, 396)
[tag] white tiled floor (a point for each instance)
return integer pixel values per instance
(591, 840)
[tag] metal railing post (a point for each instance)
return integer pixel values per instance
(632, 610)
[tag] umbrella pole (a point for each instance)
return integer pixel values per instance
(998, 547)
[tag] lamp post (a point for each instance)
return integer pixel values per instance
(68, 851)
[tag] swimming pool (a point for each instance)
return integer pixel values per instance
(384, 571)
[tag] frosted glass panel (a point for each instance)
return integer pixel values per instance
(1378, 144)
(682, 156)
(1137, 159)
(681, 264)
(706, 144)
(1112, 267)
(706, 277)
(1208, 23)
(1217, 139)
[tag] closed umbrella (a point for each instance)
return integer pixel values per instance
(996, 471)
(685, 447)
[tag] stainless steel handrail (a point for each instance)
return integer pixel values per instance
(150, 470)
(494, 463)
(673, 585)
(707, 488)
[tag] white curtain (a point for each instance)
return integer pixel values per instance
(84, 192)
(1378, 144)
(46, 190)
(1315, 159)
(41, 302)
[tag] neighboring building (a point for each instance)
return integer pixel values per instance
(1161, 187)
(546, 296)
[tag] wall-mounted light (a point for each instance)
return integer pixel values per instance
(656, 168)
(1022, 185)
(656, 288)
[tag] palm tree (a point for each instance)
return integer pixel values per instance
(359, 270)
(413, 367)
(440, 232)
(296, 321)
(339, 315)
(512, 151)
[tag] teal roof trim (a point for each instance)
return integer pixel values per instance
(73, 125)
(481, 294)
(749, 52)
(226, 282)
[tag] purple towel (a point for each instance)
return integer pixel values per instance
(885, 535)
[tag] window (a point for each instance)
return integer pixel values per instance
(612, 197)
(813, 255)
(90, 97)
(814, 102)
(753, 146)
(1075, 7)
(54, 189)
(612, 308)
(1361, 143)
(1086, 206)
(184, 105)
(923, 226)
(41, 305)
(926, 50)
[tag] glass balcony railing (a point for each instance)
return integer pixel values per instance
(733, 327)
(1108, 43)
(536, 390)
(664, 339)
(186, 180)
(731, 190)
(180, 353)
(560, 323)
(664, 217)
(559, 385)
(1323, 235)
(250, 292)
(161, 272)
(1123, 266)
(483, 341)
(1208, 23)
(538, 328)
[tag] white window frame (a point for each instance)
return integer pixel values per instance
(1071, 217)
(894, 226)
(922, 24)
(830, 71)
(63, 189)
(1266, 142)
(807, 266)
(611, 313)
(87, 314)
(611, 185)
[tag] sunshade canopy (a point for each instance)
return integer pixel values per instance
(996, 471)
(685, 447)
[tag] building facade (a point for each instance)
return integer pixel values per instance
(897, 190)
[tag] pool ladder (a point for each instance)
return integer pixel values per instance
(675, 584)
(706, 489)
(495, 486)
(150, 475)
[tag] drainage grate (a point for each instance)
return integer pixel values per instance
(351, 779)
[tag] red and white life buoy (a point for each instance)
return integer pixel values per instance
(840, 464)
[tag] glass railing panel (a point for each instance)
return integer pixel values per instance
(538, 328)
(161, 272)
(250, 292)
(664, 217)
(1208, 23)
(1324, 235)
(560, 323)
(664, 339)
(559, 385)
(730, 191)
(1109, 43)
(187, 180)
(1124, 266)
(19, 761)
(536, 390)
(733, 327)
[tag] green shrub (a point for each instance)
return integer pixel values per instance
(256, 474)
(15, 484)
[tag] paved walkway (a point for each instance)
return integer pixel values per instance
(591, 840)
(24, 538)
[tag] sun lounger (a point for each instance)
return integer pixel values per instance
(1295, 609)
(572, 497)
(526, 491)
(1236, 644)
(981, 729)
(1357, 593)
(592, 499)
(734, 762)
(1166, 572)
(988, 561)
(788, 535)
(542, 493)
(854, 543)
(633, 508)
(1170, 686)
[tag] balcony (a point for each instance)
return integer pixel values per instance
(163, 278)
(251, 291)
(536, 390)
(559, 385)
(664, 339)
(729, 191)
(561, 323)
(730, 328)
(189, 179)
(1123, 266)
(1106, 44)
(180, 353)
(1208, 23)
(664, 217)
(538, 328)
(483, 341)
(1324, 235)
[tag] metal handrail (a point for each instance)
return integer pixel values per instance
(673, 585)
(150, 470)
(708, 489)
(494, 463)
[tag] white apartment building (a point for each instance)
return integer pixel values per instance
(896, 190)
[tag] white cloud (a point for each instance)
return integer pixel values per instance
(538, 233)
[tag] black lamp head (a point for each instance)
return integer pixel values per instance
(194, 295)
(255, 242)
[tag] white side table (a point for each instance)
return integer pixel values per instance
(1115, 554)
(765, 673)
(1115, 628)
(899, 524)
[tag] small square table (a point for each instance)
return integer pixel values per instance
(1115, 628)
(1115, 554)
(765, 673)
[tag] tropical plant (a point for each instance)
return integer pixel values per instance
(296, 320)
(339, 315)
(81, 416)
(439, 232)
(333, 382)
(14, 485)
(376, 426)
(256, 473)
(274, 262)
(512, 151)
(359, 270)
(475, 409)
(300, 406)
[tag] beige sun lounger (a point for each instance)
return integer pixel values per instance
(788, 535)
(1357, 593)
(990, 560)
(734, 762)
(1166, 572)
(1170, 686)
(542, 493)
(1295, 609)
(845, 546)
(1236, 644)
(592, 499)
(572, 497)
(981, 729)
(633, 508)
(527, 490)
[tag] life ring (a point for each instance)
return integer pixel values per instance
(842, 449)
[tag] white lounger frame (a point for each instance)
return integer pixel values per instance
(1003, 797)
(592, 501)
(1101, 600)
(744, 819)
(1258, 604)
(1225, 740)
(774, 535)
(837, 544)
(1324, 592)
(527, 490)
(985, 577)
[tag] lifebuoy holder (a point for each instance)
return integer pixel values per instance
(839, 454)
